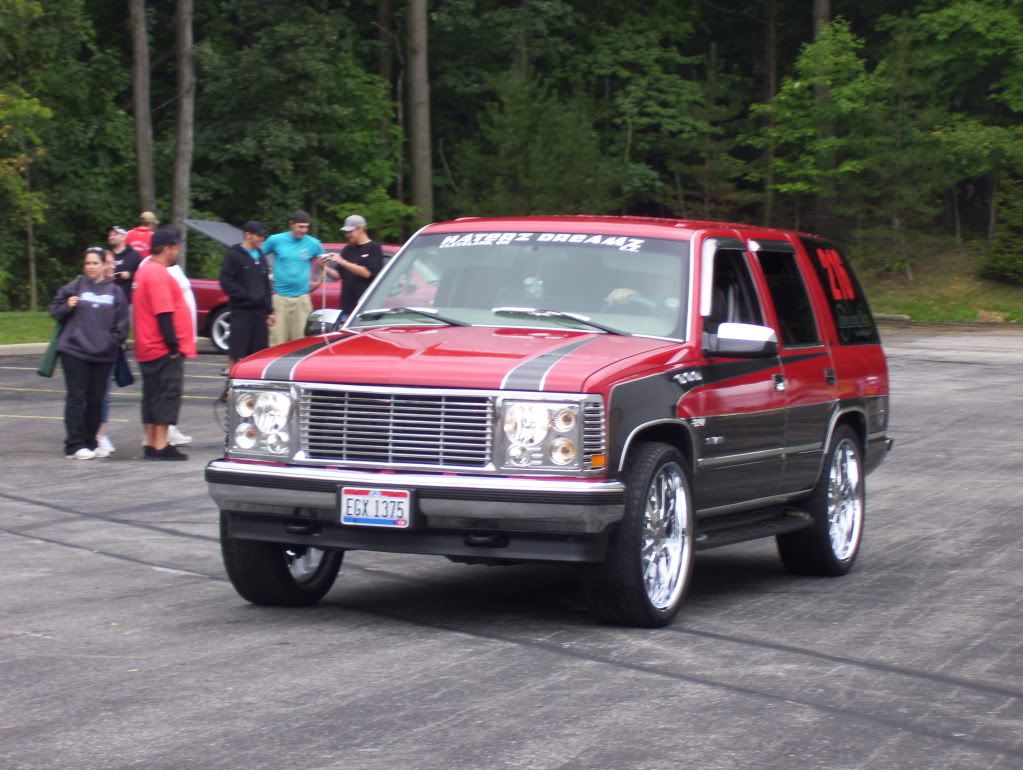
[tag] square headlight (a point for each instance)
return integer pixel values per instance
(541, 435)
(260, 420)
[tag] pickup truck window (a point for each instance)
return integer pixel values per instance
(733, 299)
(790, 298)
(849, 307)
(635, 285)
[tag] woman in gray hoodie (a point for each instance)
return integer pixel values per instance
(95, 316)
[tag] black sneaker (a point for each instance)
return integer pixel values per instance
(168, 453)
(147, 451)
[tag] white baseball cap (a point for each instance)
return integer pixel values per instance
(353, 222)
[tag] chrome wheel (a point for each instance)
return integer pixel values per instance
(845, 500)
(303, 562)
(220, 330)
(666, 544)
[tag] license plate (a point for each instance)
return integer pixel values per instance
(368, 507)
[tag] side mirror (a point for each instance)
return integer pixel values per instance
(742, 341)
(322, 321)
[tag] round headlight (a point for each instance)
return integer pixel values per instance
(245, 437)
(563, 451)
(245, 404)
(518, 454)
(526, 423)
(564, 420)
(271, 411)
(277, 443)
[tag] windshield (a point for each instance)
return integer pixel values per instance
(631, 285)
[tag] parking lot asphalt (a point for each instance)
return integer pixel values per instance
(122, 645)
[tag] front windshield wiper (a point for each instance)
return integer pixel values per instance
(535, 312)
(424, 311)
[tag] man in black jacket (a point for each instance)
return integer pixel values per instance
(245, 279)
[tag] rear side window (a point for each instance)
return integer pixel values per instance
(790, 298)
(848, 305)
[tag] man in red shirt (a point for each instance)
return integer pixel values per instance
(140, 238)
(163, 339)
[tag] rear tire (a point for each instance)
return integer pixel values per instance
(649, 563)
(220, 329)
(829, 546)
(275, 574)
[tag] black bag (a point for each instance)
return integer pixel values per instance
(49, 361)
(122, 372)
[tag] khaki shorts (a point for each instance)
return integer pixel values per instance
(291, 313)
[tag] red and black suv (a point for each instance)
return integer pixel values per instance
(613, 392)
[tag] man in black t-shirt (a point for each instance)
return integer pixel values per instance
(126, 260)
(358, 264)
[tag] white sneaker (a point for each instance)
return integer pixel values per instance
(82, 454)
(176, 438)
(104, 443)
(100, 452)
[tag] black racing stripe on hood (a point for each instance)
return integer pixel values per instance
(529, 375)
(282, 368)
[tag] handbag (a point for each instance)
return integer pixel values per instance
(49, 360)
(122, 372)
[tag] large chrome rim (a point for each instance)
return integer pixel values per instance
(303, 562)
(845, 500)
(221, 330)
(666, 548)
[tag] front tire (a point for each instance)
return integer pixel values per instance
(278, 575)
(829, 546)
(220, 329)
(649, 563)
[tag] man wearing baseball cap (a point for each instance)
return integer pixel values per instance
(245, 279)
(164, 336)
(141, 237)
(358, 265)
(126, 259)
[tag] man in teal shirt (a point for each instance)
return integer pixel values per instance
(294, 252)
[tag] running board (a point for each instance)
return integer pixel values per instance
(714, 534)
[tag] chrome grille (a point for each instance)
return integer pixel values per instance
(593, 431)
(383, 428)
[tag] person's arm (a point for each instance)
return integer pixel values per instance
(64, 301)
(166, 323)
(122, 317)
(130, 265)
(229, 278)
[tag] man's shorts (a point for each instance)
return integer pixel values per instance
(162, 385)
(248, 332)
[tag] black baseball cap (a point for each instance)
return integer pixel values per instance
(255, 227)
(167, 235)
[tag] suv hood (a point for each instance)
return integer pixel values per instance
(450, 356)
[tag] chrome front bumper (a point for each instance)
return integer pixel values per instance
(442, 502)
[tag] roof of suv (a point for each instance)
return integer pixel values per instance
(652, 227)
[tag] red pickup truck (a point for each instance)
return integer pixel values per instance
(214, 316)
(613, 392)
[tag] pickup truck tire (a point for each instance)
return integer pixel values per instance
(838, 503)
(649, 562)
(220, 329)
(275, 574)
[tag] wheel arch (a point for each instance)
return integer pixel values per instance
(669, 431)
(853, 416)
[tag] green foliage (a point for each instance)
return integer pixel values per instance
(389, 220)
(1004, 259)
(535, 154)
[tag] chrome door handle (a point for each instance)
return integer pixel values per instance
(779, 382)
(829, 376)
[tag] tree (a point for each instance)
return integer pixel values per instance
(141, 105)
(184, 136)
(420, 145)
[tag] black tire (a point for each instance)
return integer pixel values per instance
(264, 573)
(829, 546)
(616, 589)
(220, 329)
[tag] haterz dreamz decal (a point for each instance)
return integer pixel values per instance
(503, 239)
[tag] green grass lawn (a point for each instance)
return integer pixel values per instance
(23, 326)
(945, 289)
